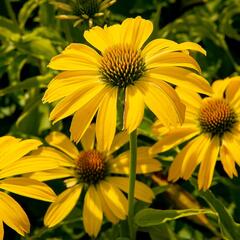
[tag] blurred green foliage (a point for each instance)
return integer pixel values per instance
(30, 34)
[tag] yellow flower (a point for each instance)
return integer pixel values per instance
(99, 173)
(212, 124)
(14, 162)
(92, 79)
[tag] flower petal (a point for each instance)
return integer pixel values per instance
(83, 117)
(76, 57)
(133, 109)
(74, 102)
(1, 230)
(88, 139)
(142, 191)
(135, 31)
(119, 140)
(162, 95)
(228, 162)
(173, 138)
(92, 212)
(207, 166)
(17, 150)
(182, 78)
(63, 143)
(114, 198)
(13, 215)
(29, 188)
(106, 120)
(63, 205)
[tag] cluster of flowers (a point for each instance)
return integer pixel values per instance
(89, 86)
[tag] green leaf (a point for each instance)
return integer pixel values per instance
(8, 29)
(230, 229)
(162, 231)
(38, 81)
(152, 217)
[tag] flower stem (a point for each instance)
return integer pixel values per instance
(132, 178)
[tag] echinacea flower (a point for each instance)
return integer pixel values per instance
(92, 79)
(213, 125)
(83, 10)
(14, 162)
(99, 173)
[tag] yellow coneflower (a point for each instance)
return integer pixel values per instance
(92, 79)
(213, 125)
(99, 173)
(14, 162)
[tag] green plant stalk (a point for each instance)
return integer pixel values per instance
(132, 178)
(10, 11)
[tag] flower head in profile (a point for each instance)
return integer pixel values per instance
(13, 162)
(81, 11)
(92, 79)
(100, 174)
(213, 125)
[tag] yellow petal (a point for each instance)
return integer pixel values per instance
(232, 92)
(52, 174)
(133, 109)
(75, 101)
(174, 59)
(27, 165)
(76, 57)
(142, 191)
(207, 166)
(88, 139)
(13, 215)
(173, 138)
(83, 117)
(119, 140)
(135, 31)
(62, 87)
(182, 77)
(106, 210)
(51, 153)
(219, 87)
(17, 150)
(106, 120)
(63, 143)
(162, 95)
(1, 230)
(92, 212)
(63, 205)
(114, 198)
(228, 162)
(106, 37)
(29, 188)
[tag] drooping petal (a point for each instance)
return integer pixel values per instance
(228, 162)
(163, 101)
(106, 209)
(63, 143)
(17, 150)
(28, 164)
(106, 37)
(74, 102)
(173, 138)
(1, 230)
(88, 139)
(114, 198)
(173, 59)
(142, 191)
(182, 78)
(133, 109)
(29, 188)
(207, 166)
(63, 205)
(232, 92)
(119, 140)
(76, 56)
(51, 153)
(13, 215)
(106, 120)
(83, 117)
(135, 31)
(92, 212)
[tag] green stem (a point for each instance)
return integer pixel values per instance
(132, 178)
(10, 11)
